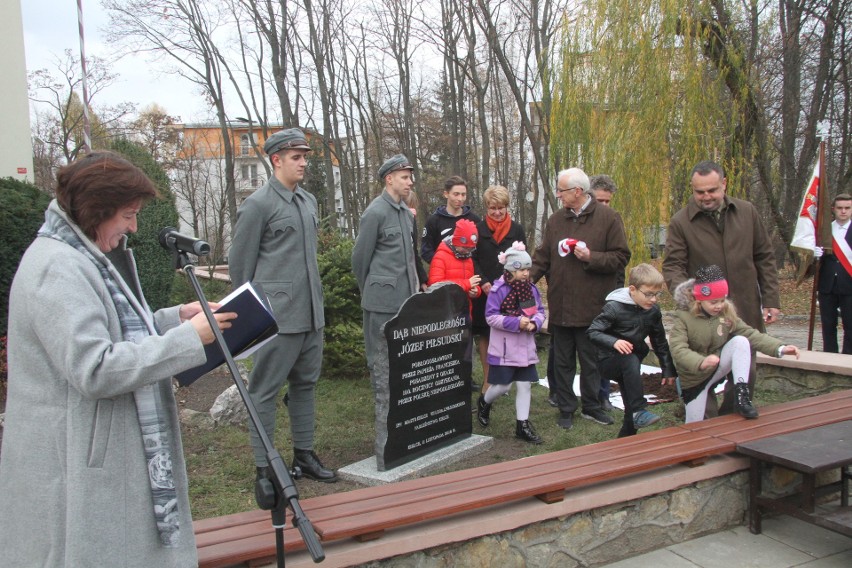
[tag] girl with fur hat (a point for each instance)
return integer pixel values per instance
(514, 312)
(708, 341)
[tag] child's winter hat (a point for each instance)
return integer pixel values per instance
(710, 283)
(465, 234)
(516, 257)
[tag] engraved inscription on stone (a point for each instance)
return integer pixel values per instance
(429, 375)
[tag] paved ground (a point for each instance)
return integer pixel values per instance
(784, 543)
(794, 329)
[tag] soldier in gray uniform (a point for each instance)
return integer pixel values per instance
(275, 246)
(383, 258)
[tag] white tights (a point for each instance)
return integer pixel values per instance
(522, 397)
(736, 357)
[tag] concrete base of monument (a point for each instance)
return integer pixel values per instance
(366, 471)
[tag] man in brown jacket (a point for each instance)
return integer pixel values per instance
(714, 228)
(583, 247)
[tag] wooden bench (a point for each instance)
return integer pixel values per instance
(809, 453)
(365, 514)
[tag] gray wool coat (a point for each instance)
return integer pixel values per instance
(74, 488)
(383, 256)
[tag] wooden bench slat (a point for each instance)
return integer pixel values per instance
(244, 531)
(772, 424)
(227, 521)
(244, 550)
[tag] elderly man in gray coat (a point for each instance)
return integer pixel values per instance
(383, 258)
(275, 247)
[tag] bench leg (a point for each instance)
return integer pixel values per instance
(552, 496)
(845, 475)
(808, 492)
(755, 473)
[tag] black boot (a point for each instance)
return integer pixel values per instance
(261, 472)
(483, 411)
(742, 404)
(525, 431)
(311, 466)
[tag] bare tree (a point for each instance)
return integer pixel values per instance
(185, 31)
(57, 91)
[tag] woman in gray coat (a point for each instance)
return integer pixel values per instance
(91, 470)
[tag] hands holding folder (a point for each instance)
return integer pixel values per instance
(246, 321)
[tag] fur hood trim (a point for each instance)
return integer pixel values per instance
(683, 296)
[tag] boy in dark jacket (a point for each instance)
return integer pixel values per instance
(630, 315)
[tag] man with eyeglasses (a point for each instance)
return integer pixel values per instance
(714, 228)
(583, 247)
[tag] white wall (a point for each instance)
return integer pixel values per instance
(16, 152)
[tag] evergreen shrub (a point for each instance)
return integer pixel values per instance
(153, 262)
(343, 353)
(22, 207)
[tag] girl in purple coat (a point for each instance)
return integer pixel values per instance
(514, 312)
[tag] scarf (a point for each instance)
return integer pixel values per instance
(499, 229)
(520, 300)
(150, 406)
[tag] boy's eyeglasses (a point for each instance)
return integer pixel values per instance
(652, 295)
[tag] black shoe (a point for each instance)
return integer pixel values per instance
(606, 405)
(483, 411)
(551, 400)
(565, 421)
(597, 415)
(525, 431)
(743, 404)
(312, 467)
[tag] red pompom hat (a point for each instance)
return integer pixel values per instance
(465, 234)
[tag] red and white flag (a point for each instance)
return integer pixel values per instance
(804, 237)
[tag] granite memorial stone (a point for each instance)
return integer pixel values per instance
(425, 403)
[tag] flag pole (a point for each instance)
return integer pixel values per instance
(87, 129)
(823, 239)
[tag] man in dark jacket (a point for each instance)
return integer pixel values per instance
(442, 222)
(714, 228)
(583, 248)
(835, 282)
(630, 315)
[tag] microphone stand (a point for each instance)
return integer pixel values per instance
(277, 491)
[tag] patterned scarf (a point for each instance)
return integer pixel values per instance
(149, 404)
(520, 300)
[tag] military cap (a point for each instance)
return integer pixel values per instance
(289, 139)
(398, 162)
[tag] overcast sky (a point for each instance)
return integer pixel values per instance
(50, 27)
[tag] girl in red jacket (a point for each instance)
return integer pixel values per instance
(452, 261)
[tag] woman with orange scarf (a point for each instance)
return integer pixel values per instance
(497, 232)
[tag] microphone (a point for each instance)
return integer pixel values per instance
(171, 240)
